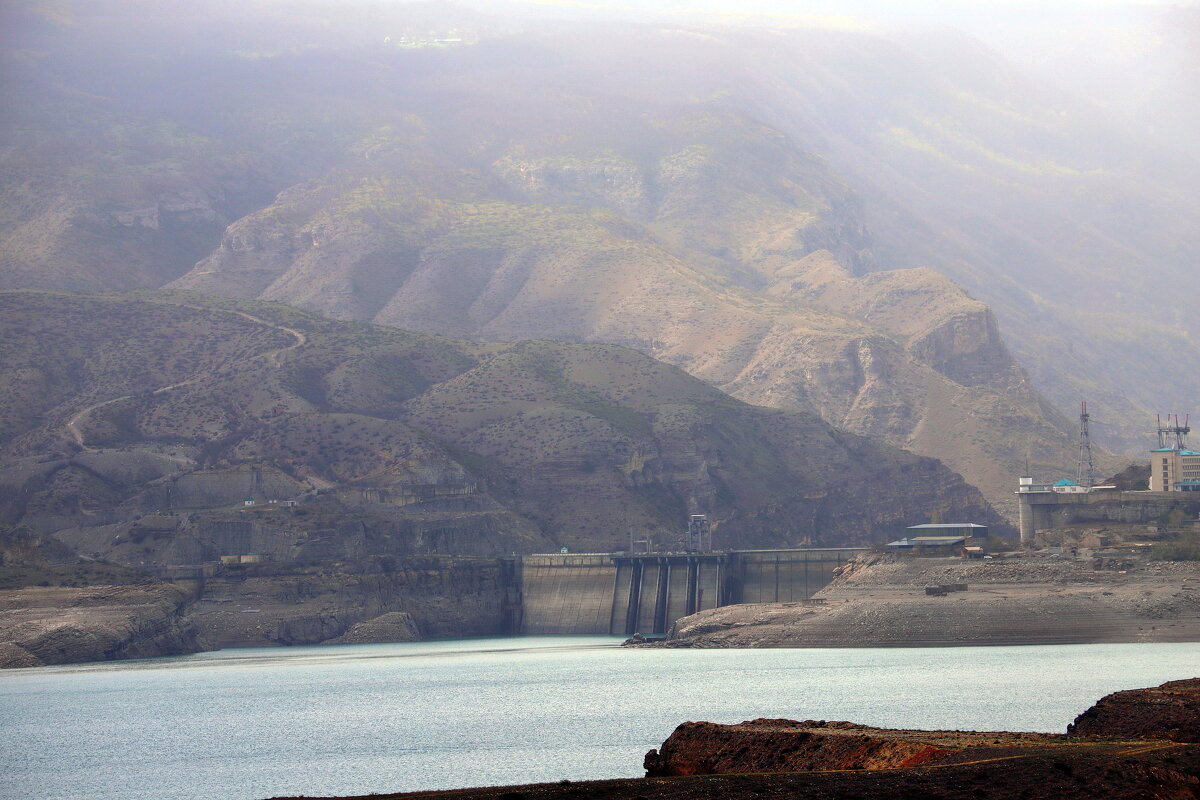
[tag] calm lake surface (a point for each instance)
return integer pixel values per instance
(245, 724)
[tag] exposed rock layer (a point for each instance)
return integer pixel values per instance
(780, 745)
(61, 625)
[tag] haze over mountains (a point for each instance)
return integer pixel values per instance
(780, 212)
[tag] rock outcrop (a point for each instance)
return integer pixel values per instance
(781, 745)
(840, 760)
(394, 626)
(62, 625)
(370, 600)
(1167, 712)
(1170, 711)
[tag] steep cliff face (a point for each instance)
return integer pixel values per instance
(355, 440)
(369, 600)
(69, 617)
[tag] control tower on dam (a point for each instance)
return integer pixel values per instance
(628, 593)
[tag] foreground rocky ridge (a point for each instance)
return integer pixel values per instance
(880, 601)
(1170, 712)
(827, 760)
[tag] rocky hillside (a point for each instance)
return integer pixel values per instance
(902, 355)
(353, 440)
(754, 214)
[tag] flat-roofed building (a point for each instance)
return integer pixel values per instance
(967, 530)
(1174, 470)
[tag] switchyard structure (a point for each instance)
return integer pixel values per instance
(1174, 467)
(1174, 484)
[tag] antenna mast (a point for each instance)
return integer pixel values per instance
(1087, 467)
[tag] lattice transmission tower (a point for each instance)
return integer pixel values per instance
(1087, 467)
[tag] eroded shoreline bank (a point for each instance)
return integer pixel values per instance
(885, 601)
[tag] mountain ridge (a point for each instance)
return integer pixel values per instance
(395, 443)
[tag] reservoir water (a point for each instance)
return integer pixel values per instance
(243, 724)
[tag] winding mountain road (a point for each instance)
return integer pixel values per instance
(274, 356)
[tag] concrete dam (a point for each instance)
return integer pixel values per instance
(624, 594)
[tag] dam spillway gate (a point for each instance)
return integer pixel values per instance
(622, 594)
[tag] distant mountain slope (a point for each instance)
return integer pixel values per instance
(661, 187)
(95, 200)
(700, 238)
(396, 443)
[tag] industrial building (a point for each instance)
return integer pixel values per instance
(968, 530)
(938, 538)
(1173, 466)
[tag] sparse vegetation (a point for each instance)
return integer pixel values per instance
(1184, 547)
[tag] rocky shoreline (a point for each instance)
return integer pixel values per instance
(883, 601)
(67, 625)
